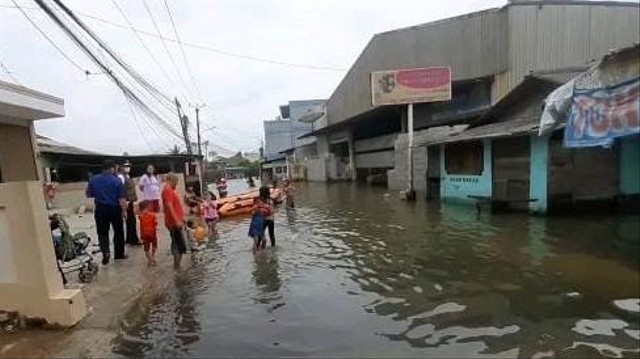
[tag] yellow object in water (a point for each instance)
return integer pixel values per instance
(200, 233)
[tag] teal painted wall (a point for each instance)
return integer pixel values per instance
(630, 165)
(538, 181)
(459, 187)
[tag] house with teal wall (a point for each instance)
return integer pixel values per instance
(502, 160)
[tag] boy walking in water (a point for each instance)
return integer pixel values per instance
(148, 225)
(174, 218)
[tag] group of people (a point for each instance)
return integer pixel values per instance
(114, 194)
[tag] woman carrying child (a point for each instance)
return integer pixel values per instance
(265, 196)
(260, 211)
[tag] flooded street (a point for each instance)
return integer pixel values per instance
(358, 273)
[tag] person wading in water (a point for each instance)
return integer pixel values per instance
(269, 224)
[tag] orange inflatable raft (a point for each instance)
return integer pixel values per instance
(242, 204)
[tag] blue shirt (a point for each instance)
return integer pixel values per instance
(106, 189)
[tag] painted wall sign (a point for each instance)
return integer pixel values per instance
(427, 84)
(598, 116)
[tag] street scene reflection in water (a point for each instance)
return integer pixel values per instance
(356, 272)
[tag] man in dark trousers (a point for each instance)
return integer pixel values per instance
(131, 233)
(110, 200)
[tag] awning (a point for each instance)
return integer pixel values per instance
(515, 127)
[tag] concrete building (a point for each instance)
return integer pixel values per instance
(490, 53)
(29, 281)
(283, 137)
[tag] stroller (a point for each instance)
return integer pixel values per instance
(72, 254)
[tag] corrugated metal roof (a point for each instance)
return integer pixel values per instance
(48, 145)
(518, 126)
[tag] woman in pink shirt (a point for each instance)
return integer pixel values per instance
(210, 212)
(150, 186)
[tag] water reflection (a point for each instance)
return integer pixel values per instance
(265, 273)
(364, 274)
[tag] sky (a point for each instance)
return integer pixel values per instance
(317, 40)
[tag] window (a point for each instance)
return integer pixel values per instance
(465, 158)
(278, 169)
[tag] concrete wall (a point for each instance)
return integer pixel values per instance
(17, 160)
(317, 169)
(459, 187)
(277, 137)
(29, 281)
(539, 180)
(377, 152)
(398, 178)
(630, 165)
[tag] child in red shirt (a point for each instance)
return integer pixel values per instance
(148, 225)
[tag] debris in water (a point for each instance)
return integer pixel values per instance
(573, 295)
(629, 305)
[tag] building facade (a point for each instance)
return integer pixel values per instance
(490, 53)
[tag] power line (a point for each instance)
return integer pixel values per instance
(144, 45)
(155, 93)
(186, 62)
(49, 39)
(164, 44)
(215, 49)
(15, 80)
(126, 90)
(135, 120)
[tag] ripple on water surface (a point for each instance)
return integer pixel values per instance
(351, 277)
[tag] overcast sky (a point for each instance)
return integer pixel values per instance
(239, 93)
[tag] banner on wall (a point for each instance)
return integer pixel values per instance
(394, 87)
(598, 116)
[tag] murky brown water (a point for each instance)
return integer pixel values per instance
(360, 274)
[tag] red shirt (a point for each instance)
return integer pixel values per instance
(148, 224)
(170, 199)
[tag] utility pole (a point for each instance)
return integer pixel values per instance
(201, 165)
(184, 123)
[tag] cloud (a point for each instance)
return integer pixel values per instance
(239, 93)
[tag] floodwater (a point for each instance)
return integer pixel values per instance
(359, 273)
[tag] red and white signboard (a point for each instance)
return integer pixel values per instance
(393, 87)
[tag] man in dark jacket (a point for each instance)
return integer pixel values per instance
(132, 198)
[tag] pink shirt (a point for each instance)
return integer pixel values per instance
(209, 210)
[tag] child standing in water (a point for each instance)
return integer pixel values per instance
(256, 229)
(148, 225)
(210, 212)
(290, 192)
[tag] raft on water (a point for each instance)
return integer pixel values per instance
(242, 204)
